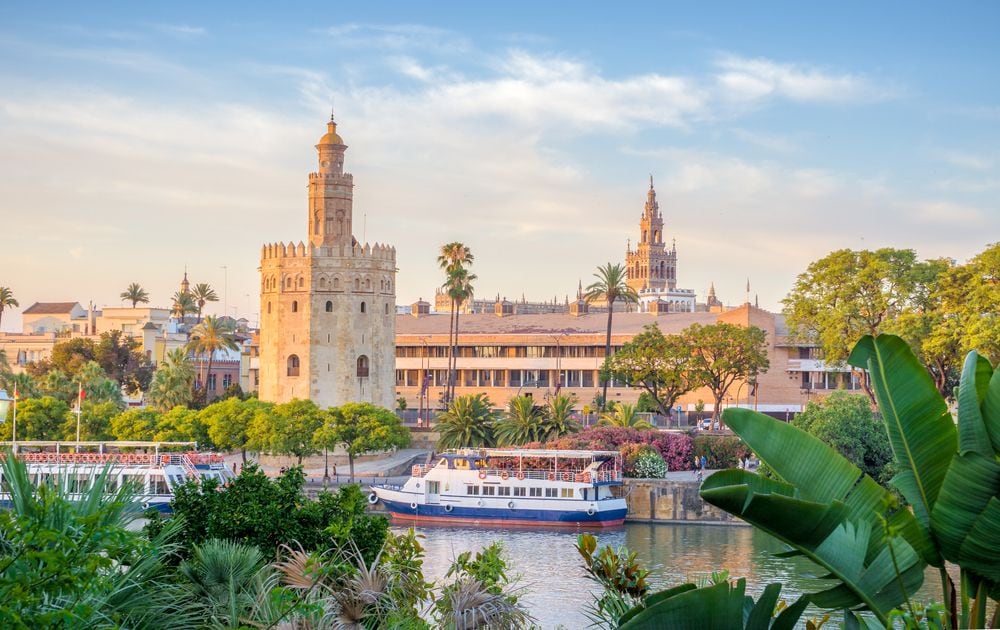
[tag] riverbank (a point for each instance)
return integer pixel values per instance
(675, 499)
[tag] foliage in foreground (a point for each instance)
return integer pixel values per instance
(625, 601)
(874, 552)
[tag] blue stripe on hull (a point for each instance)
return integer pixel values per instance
(162, 508)
(516, 515)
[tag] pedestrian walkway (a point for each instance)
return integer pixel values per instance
(371, 468)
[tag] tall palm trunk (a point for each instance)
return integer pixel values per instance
(454, 368)
(451, 332)
(208, 376)
(607, 355)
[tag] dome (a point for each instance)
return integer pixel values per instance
(331, 136)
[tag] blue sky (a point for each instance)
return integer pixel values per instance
(136, 138)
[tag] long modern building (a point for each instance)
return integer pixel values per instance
(505, 354)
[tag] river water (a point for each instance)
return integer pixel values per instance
(556, 588)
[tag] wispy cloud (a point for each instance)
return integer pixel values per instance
(180, 30)
(397, 37)
(744, 79)
(966, 160)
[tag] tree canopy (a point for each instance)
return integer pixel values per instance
(359, 428)
(724, 354)
(661, 365)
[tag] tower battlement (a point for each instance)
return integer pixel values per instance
(377, 251)
(313, 176)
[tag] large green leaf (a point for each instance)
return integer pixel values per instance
(921, 431)
(991, 410)
(972, 435)
(824, 508)
(710, 608)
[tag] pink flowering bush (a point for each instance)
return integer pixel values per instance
(677, 449)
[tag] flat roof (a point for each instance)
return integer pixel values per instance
(528, 452)
(550, 323)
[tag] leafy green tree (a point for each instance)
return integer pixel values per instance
(845, 421)
(558, 417)
(212, 335)
(623, 415)
(173, 381)
(74, 562)
(202, 294)
(57, 384)
(468, 421)
(359, 428)
(137, 425)
(454, 259)
(660, 365)
(523, 422)
(40, 419)
(122, 359)
(288, 430)
(183, 303)
(611, 286)
(26, 385)
(70, 356)
(135, 294)
(181, 424)
(229, 422)
(97, 386)
(95, 421)
(724, 354)
(982, 326)
(7, 300)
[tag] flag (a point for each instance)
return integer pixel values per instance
(426, 384)
(82, 394)
(15, 391)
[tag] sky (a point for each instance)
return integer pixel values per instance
(137, 139)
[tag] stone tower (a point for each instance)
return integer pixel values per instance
(328, 307)
(651, 267)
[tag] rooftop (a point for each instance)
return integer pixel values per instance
(51, 308)
(550, 323)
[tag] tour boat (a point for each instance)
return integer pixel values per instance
(510, 487)
(154, 470)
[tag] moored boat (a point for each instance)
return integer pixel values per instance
(510, 487)
(154, 468)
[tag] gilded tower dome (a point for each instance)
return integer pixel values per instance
(331, 136)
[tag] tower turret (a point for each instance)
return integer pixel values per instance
(331, 193)
(651, 266)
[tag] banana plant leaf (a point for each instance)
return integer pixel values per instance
(722, 606)
(827, 510)
(921, 431)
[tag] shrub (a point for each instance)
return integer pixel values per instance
(720, 451)
(676, 449)
(647, 463)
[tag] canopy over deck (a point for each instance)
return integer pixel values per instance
(531, 452)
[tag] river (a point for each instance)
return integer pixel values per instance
(556, 587)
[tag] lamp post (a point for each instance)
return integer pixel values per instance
(5, 403)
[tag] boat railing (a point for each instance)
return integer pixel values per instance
(576, 476)
(124, 459)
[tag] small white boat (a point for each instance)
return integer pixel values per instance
(510, 487)
(156, 468)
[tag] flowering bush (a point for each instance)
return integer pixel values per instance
(643, 461)
(676, 449)
(720, 451)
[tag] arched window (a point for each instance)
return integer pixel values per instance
(288, 283)
(302, 282)
(362, 307)
(368, 284)
(362, 366)
(386, 309)
(269, 307)
(357, 284)
(336, 284)
(388, 285)
(322, 282)
(293, 365)
(295, 306)
(329, 306)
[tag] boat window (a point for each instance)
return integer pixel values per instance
(489, 490)
(551, 492)
(111, 484)
(535, 492)
(472, 490)
(433, 487)
(566, 493)
(503, 491)
(519, 491)
(158, 485)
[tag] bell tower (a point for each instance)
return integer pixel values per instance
(651, 267)
(331, 193)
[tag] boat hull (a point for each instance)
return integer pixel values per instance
(439, 513)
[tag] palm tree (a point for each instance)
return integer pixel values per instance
(559, 419)
(135, 294)
(522, 423)
(468, 421)
(173, 381)
(6, 299)
(202, 294)
(184, 303)
(623, 416)
(453, 258)
(211, 335)
(611, 286)
(226, 580)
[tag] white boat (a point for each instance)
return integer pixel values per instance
(156, 468)
(510, 487)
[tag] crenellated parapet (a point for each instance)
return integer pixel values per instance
(376, 251)
(325, 176)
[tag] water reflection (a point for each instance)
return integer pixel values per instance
(556, 587)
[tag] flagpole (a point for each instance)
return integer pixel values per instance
(14, 428)
(79, 412)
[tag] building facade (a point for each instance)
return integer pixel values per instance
(538, 355)
(328, 306)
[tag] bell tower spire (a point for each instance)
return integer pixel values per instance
(331, 192)
(651, 266)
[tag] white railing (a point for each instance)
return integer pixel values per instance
(601, 476)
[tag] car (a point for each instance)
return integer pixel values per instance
(706, 424)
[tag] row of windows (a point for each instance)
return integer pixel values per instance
(503, 378)
(324, 284)
(511, 352)
(292, 366)
(519, 491)
(329, 307)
